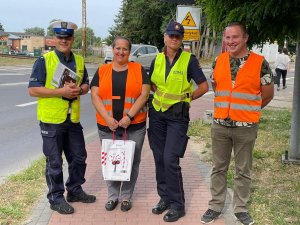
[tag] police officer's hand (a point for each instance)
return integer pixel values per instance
(70, 90)
(125, 122)
(112, 124)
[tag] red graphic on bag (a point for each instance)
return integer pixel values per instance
(115, 159)
(103, 158)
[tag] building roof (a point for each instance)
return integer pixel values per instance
(13, 37)
(22, 34)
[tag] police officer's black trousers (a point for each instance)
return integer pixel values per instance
(68, 138)
(168, 141)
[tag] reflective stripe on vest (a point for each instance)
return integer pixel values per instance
(176, 88)
(241, 102)
(133, 90)
(54, 110)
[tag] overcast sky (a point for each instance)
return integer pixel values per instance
(16, 15)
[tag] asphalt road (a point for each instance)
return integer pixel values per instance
(20, 140)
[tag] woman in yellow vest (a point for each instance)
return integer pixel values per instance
(119, 94)
(171, 81)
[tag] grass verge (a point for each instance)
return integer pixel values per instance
(275, 197)
(4, 61)
(20, 192)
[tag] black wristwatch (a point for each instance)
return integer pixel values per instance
(130, 117)
(81, 91)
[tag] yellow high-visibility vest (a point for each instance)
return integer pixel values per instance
(176, 88)
(55, 109)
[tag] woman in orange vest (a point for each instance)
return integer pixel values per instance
(119, 93)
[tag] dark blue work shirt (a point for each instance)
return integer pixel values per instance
(194, 70)
(38, 74)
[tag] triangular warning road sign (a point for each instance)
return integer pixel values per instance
(188, 21)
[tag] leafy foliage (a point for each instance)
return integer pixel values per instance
(35, 31)
(266, 20)
(143, 21)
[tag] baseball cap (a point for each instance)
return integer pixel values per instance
(63, 28)
(175, 28)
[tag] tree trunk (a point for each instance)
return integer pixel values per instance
(206, 42)
(212, 44)
(201, 41)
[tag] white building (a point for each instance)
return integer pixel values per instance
(269, 51)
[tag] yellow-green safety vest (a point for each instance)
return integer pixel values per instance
(176, 88)
(55, 109)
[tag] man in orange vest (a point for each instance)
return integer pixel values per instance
(243, 85)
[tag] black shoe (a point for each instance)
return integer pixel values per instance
(244, 217)
(62, 208)
(82, 197)
(209, 216)
(173, 215)
(160, 207)
(111, 205)
(126, 205)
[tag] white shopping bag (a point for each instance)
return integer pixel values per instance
(116, 158)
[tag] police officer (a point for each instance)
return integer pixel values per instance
(58, 111)
(172, 72)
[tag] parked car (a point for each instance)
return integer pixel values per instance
(140, 53)
(30, 54)
(108, 57)
(12, 52)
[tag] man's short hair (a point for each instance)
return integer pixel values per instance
(241, 25)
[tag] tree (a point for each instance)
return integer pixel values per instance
(1, 27)
(266, 20)
(143, 21)
(90, 37)
(35, 31)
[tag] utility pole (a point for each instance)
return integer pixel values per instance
(84, 28)
(293, 155)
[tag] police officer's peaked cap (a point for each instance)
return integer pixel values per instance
(63, 28)
(175, 28)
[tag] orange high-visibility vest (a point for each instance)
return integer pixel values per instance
(134, 84)
(241, 101)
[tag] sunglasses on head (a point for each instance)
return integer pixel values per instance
(176, 36)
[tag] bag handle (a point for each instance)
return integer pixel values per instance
(124, 136)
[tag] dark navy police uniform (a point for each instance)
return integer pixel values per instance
(168, 140)
(66, 137)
